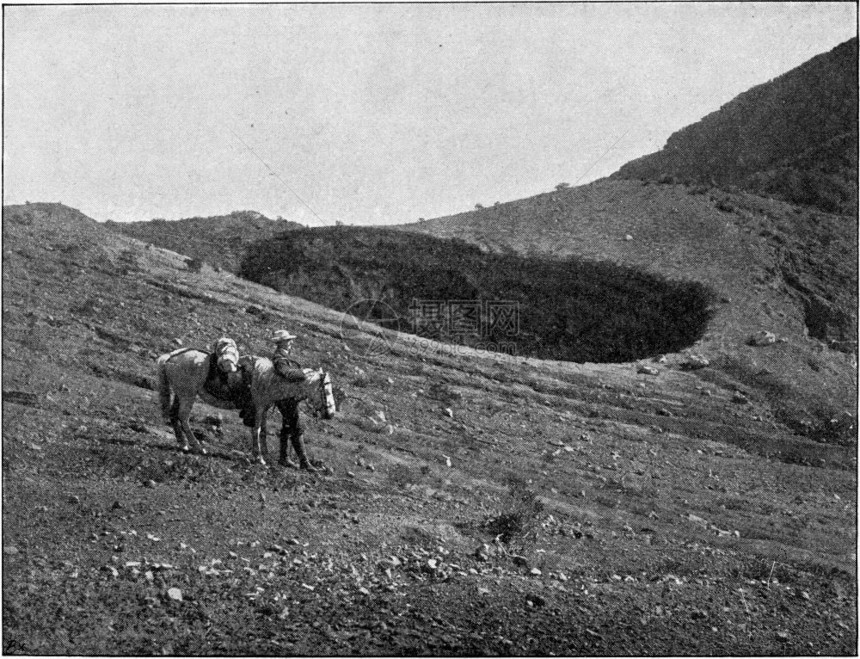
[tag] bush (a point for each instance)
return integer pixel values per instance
(567, 309)
(522, 516)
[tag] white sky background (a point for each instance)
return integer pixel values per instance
(370, 114)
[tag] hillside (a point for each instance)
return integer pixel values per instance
(468, 503)
(775, 267)
(794, 137)
(219, 240)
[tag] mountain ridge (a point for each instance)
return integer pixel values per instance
(794, 137)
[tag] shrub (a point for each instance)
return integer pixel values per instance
(194, 265)
(522, 516)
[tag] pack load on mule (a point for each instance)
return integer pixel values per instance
(250, 383)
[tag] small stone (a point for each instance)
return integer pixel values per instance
(647, 370)
(536, 600)
(149, 483)
(74, 499)
(449, 412)
(174, 594)
(535, 572)
(762, 338)
(10, 550)
(519, 561)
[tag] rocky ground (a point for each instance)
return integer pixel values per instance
(466, 503)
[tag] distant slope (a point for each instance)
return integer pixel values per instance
(794, 137)
(219, 240)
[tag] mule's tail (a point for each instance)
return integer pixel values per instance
(164, 392)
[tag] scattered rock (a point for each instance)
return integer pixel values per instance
(449, 412)
(740, 398)
(762, 338)
(149, 483)
(174, 594)
(648, 370)
(694, 362)
(10, 550)
(535, 572)
(520, 561)
(628, 237)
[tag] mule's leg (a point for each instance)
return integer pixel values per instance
(289, 412)
(255, 436)
(184, 413)
(296, 432)
(177, 426)
(264, 444)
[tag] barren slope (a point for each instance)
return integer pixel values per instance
(220, 241)
(641, 513)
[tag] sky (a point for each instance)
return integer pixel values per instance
(367, 113)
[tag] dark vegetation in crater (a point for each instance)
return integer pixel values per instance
(445, 289)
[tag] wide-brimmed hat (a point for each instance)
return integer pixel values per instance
(282, 335)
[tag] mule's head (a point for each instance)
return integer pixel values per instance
(228, 354)
(324, 403)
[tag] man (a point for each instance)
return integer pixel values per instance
(290, 369)
(285, 366)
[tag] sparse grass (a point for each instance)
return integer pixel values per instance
(401, 475)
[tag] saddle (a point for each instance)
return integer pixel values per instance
(238, 391)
